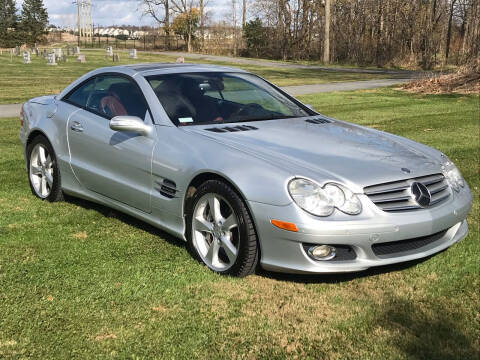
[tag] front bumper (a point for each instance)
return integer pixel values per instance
(283, 250)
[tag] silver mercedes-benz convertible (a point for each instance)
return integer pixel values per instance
(243, 172)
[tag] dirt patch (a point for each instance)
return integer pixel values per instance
(82, 235)
(105, 337)
(465, 81)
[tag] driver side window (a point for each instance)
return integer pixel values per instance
(110, 96)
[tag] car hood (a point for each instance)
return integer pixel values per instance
(335, 151)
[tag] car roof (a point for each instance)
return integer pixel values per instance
(149, 69)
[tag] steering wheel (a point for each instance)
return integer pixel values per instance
(247, 108)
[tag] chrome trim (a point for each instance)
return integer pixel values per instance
(397, 195)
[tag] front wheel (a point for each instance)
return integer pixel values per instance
(220, 231)
(43, 172)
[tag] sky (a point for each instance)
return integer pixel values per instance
(114, 12)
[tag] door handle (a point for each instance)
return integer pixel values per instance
(76, 126)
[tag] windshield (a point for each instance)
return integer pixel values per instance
(205, 98)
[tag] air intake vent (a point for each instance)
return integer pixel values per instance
(396, 248)
(318, 121)
(232, 128)
(167, 188)
(398, 196)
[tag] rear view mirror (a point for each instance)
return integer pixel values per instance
(130, 123)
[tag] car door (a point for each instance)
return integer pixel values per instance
(112, 163)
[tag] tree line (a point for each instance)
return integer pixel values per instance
(27, 27)
(424, 33)
(421, 33)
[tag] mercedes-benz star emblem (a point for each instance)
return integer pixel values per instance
(421, 194)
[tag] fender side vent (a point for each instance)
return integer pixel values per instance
(167, 188)
(232, 128)
(318, 121)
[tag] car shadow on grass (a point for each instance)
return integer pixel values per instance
(127, 219)
(343, 277)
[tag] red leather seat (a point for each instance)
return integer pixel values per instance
(111, 106)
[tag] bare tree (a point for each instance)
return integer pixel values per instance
(159, 10)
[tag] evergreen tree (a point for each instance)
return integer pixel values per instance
(34, 20)
(8, 23)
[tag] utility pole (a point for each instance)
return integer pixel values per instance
(326, 41)
(244, 13)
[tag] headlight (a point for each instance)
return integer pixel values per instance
(452, 174)
(323, 201)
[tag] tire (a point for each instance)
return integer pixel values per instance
(242, 235)
(36, 171)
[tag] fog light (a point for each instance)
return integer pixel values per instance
(322, 252)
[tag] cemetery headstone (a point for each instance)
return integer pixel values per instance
(26, 57)
(109, 51)
(58, 53)
(17, 50)
(51, 59)
(116, 58)
(133, 54)
(81, 58)
(68, 50)
(76, 50)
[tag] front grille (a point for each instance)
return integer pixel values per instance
(397, 195)
(398, 247)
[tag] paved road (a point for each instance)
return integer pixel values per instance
(240, 60)
(13, 110)
(10, 110)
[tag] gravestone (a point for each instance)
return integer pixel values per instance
(17, 50)
(51, 59)
(116, 58)
(180, 60)
(26, 57)
(76, 50)
(81, 58)
(68, 50)
(109, 51)
(58, 53)
(44, 53)
(12, 53)
(133, 54)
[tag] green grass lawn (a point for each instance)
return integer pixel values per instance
(19, 82)
(80, 281)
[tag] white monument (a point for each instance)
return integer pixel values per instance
(81, 58)
(58, 52)
(133, 54)
(26, 57)
(51, 59)
(109, 50)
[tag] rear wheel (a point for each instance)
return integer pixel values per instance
(220, 231)
(43, 173)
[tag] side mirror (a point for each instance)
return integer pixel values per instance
(130, 123)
